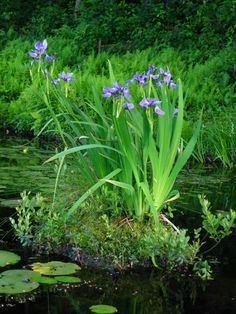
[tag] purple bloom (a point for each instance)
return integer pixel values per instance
(161, 71)
(144, 77)
(128, 106)
(33, 54)
(40, 50)
(116, 86)
(175, 111)
(145, 102)
(154, 102)
(160, 83)
(159, 111)
(41, 47)
(140, 78)
(67, 77)
(155, 76)
(107, 92)
(167, 77)
(126, 93)
(172, 85)
(129, 81)
(116, 90)
(151, 68)
(49, 58)
(55, 82)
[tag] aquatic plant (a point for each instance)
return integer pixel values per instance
(8, 258)
(138, 141)
(67, 279)
(18, 281)
(103, 309)
(218, 225)
(55, 268)
(27, 216)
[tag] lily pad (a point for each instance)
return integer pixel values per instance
(21, 274)
(47, 280)
(68, 279)
(103, 309)
(55, 268)
(8, 258)
(18, 281)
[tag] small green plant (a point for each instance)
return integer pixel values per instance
(37, 222)
(26, 215)
(169, 248)
(218, 225)
(202, 269)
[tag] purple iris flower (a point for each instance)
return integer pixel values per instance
(116, 86)
(158, 111)
(154, 102)
(161, 71)
(40, 50)
(145, 102)
(41, 46)
(107, 92)
(116, 90)
(129, 81)
(167, 77)
(125, 92)
(33, 54)
(151, 68)
(140, 78)
(66, 76)
(155, 76)
(51, 58)
(128, 106)
(173, 85)
(175, 111)
(160, 83)
(55, 82)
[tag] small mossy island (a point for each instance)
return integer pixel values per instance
(124, 100)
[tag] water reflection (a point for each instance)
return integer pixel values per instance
(136, 293)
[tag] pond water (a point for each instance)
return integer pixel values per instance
(137, 292)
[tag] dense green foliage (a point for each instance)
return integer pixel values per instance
(125, 24)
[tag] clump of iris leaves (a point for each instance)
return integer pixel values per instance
(127, 148)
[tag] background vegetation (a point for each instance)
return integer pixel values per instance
(195, 39)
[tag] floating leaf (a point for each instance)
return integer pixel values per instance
(103, 309)
(47, 280)
(21, 274)
(55, 268)
(8, 258)
(18, 281)
(68, 279)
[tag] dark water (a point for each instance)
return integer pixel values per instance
(139, 292)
